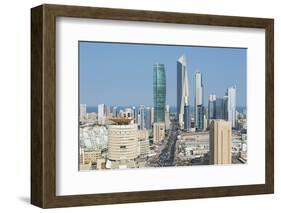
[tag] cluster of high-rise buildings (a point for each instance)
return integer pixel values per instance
(218, 108)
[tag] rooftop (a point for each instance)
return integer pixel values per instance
(121, 120)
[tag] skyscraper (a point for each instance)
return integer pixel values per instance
(231, 105)
(200, 117)
(211, 107)
(147, 116)
(101, 114)
(220, 142)
(135, 114)
(167, 117)
(182, 89)
(220, 106)
(141, 120)
(159, 92)
(186, 115)
(198, 97)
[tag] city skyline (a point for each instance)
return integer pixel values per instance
(95, 93)
(145, 135)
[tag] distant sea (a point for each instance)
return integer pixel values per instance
(173, 109)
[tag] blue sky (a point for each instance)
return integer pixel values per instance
(121, 74)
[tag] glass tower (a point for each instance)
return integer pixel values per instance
(212, 107)
(182, 89)
(159, 92)
(198, 96)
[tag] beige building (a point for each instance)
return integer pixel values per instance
(122, 140)
(167, 120)
(158, 132)
(89, 157)
(220, 142)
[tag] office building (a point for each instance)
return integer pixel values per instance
(83, 112)
(101, 114)
(152, 115)
(114, 112)
(141, 117)
(219, 109)
(220, 142)
(159, 92)
(187, 119)
(200, 117)
(212, 107)
(135, 114)
(158, 132)
(198, 97)
(231, 105)
(147, 116)
(167, 117)
(122, 140)
(182, 89)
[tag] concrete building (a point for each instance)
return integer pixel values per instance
(220, 142)
(143, 142)
(198, 97)
(182, 89)
(83, 112)
(159, 92)
(89, 156)
(167, 117)
(158, 132)
(122, 140)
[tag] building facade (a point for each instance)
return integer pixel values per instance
(231, 105)
(187, 120)
(141, 117)
(122, 140)
(200, 117)
(148, 122)
(220, 142)
(159, 92)
(211, 107)
(198, 96)
(83, 112)
(158, 132)
(101, 114)
(182, 89)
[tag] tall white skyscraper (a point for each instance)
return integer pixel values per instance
(182, 88)
(231, 105)
(101, 114)
(198, 96)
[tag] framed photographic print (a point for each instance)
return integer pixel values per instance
(136, 106)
